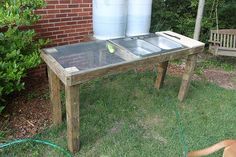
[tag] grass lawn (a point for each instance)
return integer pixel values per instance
(123, 115)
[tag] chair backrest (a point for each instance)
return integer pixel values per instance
(225, 37)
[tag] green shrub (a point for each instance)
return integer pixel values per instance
(180, 16)
(19, 49)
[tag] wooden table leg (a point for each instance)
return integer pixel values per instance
(161, 68)
(189, 70)
(73, 122)
(54, 88)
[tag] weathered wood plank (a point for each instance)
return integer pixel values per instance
(231, 41)
(226, 49)
(189, 69)
(186, 41)
(55, 66)
(227, 42)
(211, 36)
(73, 121)
(77, 78)
(214, 35)
(54, 88)
(234, 41)
(161, 68)
(224, 31)
(227, 53)
(221, 40)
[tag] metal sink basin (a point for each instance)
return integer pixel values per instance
(163, 43)
(137, 46)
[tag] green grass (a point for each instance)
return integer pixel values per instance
(220, 62)
(212, 62)
(124, 115)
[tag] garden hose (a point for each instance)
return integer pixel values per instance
(66, 153)
(10, 143)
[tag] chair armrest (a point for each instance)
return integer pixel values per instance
(215, 42)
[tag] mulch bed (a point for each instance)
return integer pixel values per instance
(28, 112)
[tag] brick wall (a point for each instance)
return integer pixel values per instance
(63, 22)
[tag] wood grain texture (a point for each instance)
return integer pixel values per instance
(55, 66)
(189, 69)
(81, 77)
(54, 88)
(73, 121)
(186, 41)
(161, 68)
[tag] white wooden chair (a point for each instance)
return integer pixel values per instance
(223, 42)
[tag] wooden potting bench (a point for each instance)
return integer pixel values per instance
(72, 77)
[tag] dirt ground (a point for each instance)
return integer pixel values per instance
(222, 78)
(29, 112)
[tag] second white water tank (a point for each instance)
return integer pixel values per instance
(139, 17)
(109, 18)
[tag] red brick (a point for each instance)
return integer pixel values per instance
(87, 1)
(62, 6)
(65, 27)
(73, 5)
(58, 32)
(61, 15)
(64, 1)
(55, 20)
(53, 11)
(42, 21)
(50, 7)
(87, 9)
(48, 16)
(41, 30)
(65, 10)
(62, 36)
(77, 18)
(72, 14)
(64, 22)
(53, 29)
(66, 19)
(87, 17)
(47, 25)
(77, 1)
(52, 1)
(84, 5)
(71, 23)
(57, 40)
(77, 10)
(70, 31)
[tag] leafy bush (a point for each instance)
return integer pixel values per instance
(180, 16)
(19, 49)
(227, 14)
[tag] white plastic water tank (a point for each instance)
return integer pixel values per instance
(139, 17)
(109, 18)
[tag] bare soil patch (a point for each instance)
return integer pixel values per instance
(220, 77)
